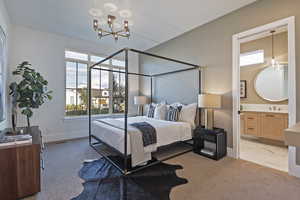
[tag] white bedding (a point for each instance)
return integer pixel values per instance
(167, 132)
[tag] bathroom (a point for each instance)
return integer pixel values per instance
(264, 100)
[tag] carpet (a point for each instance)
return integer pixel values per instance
(102, 181)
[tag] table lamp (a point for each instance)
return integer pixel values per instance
(140, 101)
(209, 102)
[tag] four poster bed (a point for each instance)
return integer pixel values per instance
(124, 136)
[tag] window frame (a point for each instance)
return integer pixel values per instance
(90, 63)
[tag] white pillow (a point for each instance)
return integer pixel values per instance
(160, 111)
(188, 114)
(177, 104)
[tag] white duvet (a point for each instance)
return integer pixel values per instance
(167, 132)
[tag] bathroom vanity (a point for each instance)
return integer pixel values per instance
(268, 125)
(268, 118)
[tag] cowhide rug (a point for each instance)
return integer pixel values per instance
(105, 182)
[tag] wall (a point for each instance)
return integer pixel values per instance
(45, 51)
(249, 73)
(164, 86)
(5, 24)
(211, 45)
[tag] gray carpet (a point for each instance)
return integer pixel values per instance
(227, 179)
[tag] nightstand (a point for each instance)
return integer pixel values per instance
(210, 143)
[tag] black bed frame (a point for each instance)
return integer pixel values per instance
(126, 169)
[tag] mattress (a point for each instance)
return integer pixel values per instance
(167, 132)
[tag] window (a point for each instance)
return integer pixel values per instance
(252, 58)
(108, 88)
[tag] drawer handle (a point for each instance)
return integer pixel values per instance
(250, 118)
(42, 164)
(270, 116)
(250, 128)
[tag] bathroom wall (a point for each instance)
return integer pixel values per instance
(250, 72)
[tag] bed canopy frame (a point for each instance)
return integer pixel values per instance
(124, 165)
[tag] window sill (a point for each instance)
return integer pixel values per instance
(86, 117)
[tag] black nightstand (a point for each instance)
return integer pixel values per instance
(216, 136)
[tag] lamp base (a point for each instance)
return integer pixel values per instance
(209, 118)
(140, 110)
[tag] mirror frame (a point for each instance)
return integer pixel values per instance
(284, 64)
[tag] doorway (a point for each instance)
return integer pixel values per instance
(251, 35)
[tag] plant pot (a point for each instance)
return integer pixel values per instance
(14, 122)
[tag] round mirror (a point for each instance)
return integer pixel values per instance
(272, 83)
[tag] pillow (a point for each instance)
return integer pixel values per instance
(151, 110)
(177, 104)
(188, 114)
(160, 111)
(173, 113)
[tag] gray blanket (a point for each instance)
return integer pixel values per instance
(148, 132)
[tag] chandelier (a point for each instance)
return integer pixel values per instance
(115, 33)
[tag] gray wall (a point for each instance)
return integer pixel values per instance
(211, 45)
(164, 86)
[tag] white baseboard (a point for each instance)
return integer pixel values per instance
(63, 136)
(230, 152)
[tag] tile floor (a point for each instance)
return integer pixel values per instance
(272, 156)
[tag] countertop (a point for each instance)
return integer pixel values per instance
(266, 108)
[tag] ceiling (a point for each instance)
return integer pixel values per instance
(153, 21)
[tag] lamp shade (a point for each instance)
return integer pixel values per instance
(140, 100)
(209, 101)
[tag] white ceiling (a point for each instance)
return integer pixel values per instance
(154, 21)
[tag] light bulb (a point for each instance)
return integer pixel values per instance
(116, 37)
(273, 62)
(126, 24)
(100, 32)
(95, 24)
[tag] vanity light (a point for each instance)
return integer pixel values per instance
(273, 61)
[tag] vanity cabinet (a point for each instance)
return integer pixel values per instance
(252, 124)
(273, 125)
(264, 125)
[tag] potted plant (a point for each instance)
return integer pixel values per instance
(29, 93)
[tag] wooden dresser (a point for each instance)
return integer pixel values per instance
(20, 168)
(264, 125)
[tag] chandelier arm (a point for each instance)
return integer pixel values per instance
(111, 29)
(107, 34)
(121, 31)
(122, 35)
(104, 31)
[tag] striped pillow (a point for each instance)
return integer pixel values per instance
(151, 111)
(173, 113)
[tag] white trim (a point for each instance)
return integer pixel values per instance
(235, 95)
(230, 152)
(98, 116)
(294, 169)
(263, 35)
